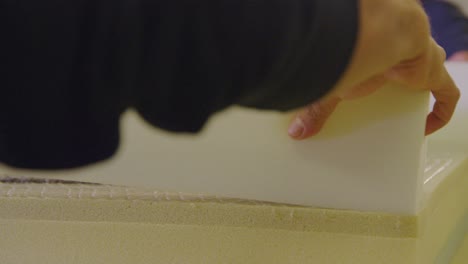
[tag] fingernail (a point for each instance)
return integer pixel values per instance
(297, 128)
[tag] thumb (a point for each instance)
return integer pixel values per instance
(310, 120)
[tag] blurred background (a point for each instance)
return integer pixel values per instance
(449, 23)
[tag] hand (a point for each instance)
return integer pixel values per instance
(408, 56)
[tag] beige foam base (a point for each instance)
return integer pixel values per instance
(82, 223)
(461, 257)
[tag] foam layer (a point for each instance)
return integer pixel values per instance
(247, 154)
(362, 163)
(462, 254)
(76, 223)
(363, 156)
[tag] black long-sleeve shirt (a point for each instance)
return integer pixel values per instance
(70, 68)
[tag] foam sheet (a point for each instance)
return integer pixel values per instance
(372, 147)
(82, 223)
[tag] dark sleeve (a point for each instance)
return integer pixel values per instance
(449, 25)
(72, 67)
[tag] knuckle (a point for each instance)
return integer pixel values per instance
(442, 53)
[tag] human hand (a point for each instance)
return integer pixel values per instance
(409, 57)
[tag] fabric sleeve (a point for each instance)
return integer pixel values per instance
(70, 68)
(202, 57)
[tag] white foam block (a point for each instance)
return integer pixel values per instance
(368, 157)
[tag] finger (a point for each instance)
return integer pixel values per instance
(446, 96)
(310, 120)
(445, 93)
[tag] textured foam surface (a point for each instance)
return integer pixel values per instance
(461, 256)
(59, 222)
